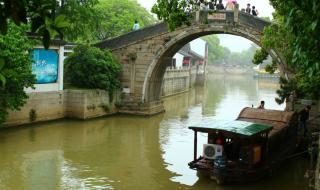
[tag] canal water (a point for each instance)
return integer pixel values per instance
(137, 153)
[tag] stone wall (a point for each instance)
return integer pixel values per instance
(175, 81)
(79, 104)
(47, 106)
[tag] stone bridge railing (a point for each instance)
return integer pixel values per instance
(231, 17)
(200, 17)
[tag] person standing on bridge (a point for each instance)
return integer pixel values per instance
(254, 11)
(220, 5)
(230, 6)
(261, 106)
(248, 9)
(136, 26)
(211, 4)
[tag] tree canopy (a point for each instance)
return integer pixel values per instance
(117, 17)
(222, 55)
(295, 34)
(175, 12)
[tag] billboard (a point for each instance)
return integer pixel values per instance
(45, 65)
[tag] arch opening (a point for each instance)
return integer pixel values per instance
(153, 80)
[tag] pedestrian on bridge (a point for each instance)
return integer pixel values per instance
(136, 26)
(254, 11)
(230, 6)
(220, 5)
(212, 4)
(261, 106)
(248, 9)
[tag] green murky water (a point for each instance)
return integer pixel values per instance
(136, 153)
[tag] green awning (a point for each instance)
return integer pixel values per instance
(238, 127)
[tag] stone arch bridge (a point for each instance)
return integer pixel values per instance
(145, 54)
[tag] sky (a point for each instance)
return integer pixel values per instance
(234, 43)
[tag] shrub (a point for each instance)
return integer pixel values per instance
(90, 67)
(15, 69)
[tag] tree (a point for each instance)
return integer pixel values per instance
(40, 14)
(83, 19)
(174, 12)
(216, 53)
(15, 69)
(90, 67)
(295, 36)
(117, 17)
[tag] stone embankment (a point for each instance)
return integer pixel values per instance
(78, 104)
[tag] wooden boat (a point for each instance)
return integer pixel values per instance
(247, 148)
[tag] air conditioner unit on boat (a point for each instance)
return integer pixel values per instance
(212, 151)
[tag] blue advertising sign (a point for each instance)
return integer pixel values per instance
(45, 66)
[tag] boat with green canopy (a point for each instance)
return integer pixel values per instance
(247, 148)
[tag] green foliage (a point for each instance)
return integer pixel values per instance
(300, 87)
(83, 19)
(296, 36)
(174, 12)
(216, 53)
(302, 20)
(244, 57)
(15, 69)
(117, 17)
(41, 15)
(90, 67)
(287, 88)
(77, 21)
(271, 68)
(260, 56)
(219, 54)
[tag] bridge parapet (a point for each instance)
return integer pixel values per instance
(200, 17)
(231, 17)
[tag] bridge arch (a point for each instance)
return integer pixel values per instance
(153, 80)
(144, 54)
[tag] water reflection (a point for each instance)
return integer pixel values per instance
(123, 152)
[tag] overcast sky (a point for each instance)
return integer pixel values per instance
(234, 43)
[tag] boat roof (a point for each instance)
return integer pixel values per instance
(243, 128)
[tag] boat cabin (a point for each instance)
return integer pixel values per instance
(237, 144)
(243, 149)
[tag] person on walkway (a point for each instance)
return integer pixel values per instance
(261, 106)
(136, 26)
(203, 6)
(220, 5)
(303, 118)
(254, 11)
(211, 4)
(248, 9)
(230, 6)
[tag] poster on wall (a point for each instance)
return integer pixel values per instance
(45, 66)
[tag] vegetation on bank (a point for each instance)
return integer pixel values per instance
(71, 20)
(295, 34)
(15, 69)
(90, 67)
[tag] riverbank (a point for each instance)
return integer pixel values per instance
(89, 103)
(75, 104)
(229, 69)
